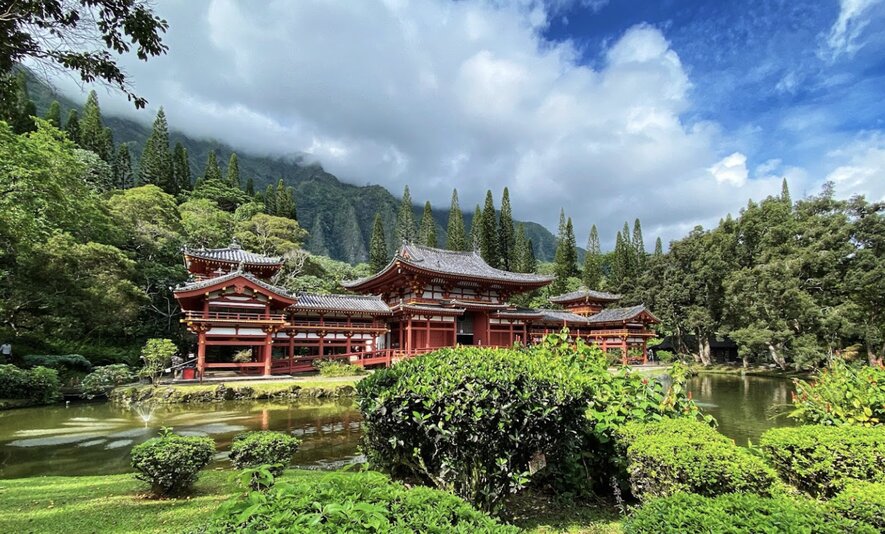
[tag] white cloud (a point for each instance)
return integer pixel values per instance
(862, 171)
(731, 170)
(844, 37)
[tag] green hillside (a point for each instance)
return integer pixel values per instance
(338, 215)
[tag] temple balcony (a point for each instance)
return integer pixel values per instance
(223, 317)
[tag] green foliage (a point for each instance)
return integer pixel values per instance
(337, 368)
(171, 463)
(592, 275)
(842, 395)
(566, 260)
(681, 455)
(38, 384)
(737, 513)
(157, 355)
(103, 379)
(405, 220)
(456, 235)
(378, 247)
(471, 420)
(861, 501)
(181, 170)
(819, 459)
(270, 235)
(232, 173)
(205, 224)
(427, 233)
(71, 367)
(476, 229)
(271, 449)
(506, 236)
(350, 502)
(489, 247)
(155, 165)
(211, 171)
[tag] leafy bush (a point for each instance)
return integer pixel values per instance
(337, 368)
(39, 384)
(254, 449)
(105, 378)
(349, 502)
(738, 513)
(474, 421)
(863, 502)
(682, 455)
(157, 355)
(171, 463)
(842, 395)
(70, 367)
(817, 459)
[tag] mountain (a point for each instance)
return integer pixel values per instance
(338, 215)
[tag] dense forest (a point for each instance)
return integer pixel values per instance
(92, 230)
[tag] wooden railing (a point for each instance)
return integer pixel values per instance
(235, 317)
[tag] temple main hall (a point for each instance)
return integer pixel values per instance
(424, 299)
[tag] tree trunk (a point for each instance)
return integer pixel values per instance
(704, 349)
(776, 355)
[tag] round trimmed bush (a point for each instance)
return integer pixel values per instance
(105, 378)
(171, 463)
(254, 449)
(861, 501)
(738, 513)
(475, 421)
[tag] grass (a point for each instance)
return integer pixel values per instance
(313, 382)
(544, 514)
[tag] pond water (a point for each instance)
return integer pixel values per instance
(95, 438)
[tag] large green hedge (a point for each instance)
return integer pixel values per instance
(38, 384)
(350, 502)
(818, 459)
(474, 421)
(739, 513)
(842, 395)
(681, 455)
(861, 501)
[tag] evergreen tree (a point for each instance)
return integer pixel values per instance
(489, 229)
(785, 193)
(270, 202)
(520, 250)
(456, 238)
(155, 166)
(181, 169)
(405, 219)
(72, 126)
(566, 258)
(284, 203)
(378, 247)
(476, 229)
(92, 131)
(21, 108)
(531, 264)
(212, 171)
(619, 262)
(108, 146)
(250, 186)
(659, 248)
(427, 234)
(233, 171)
(123, 178)
(53, 114)
(506, 238)
(593, 261)
(638, 247)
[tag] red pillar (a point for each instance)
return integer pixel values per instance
(427, 333)
(644, 351)
(291, 350)
(624, 350)
(268, 353)
(201, 353)
(409, 336)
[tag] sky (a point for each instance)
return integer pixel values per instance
(673, 111)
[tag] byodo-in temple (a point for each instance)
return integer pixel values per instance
(424, 299)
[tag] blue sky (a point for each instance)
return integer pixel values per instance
(676, 112)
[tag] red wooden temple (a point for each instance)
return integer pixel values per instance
(424, 299)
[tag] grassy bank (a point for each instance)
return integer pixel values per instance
(749, 371)
(117, 504)
(297, 388)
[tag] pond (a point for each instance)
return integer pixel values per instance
(95, 438)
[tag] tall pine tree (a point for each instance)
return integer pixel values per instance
(593, 261)
(531, 264)
(638, 246)
(506, 237)
(785, 193)
(565, 261)
(250, 186)
(122, 168)
(19, 112)
(659, 248)
(270, 201)
(456, 237)
(53, 114)
(378, 246)
(72, 126)
(489, 246)
(155, 166)
(212, 171)
(427, 234)
(233, 171)
(181, 169)
(476, 229)
(93, 135)
(405, 219)
(520, 250)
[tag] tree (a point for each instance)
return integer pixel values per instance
(489, 231)
(122, 168)
(659, 248)
(284, 201)
(82, 36)
(476, 229)
(378, 247)
(271, 235)
(405, 219)
(456, 237)
(157, 356)
(205, 224)
(211, 171)
(427, 235)
(566, 257)
(506, 238)
(228, 198)
(785, 193)
(521, 252)
(593, 261)
(53, 114)
(18, 107)
(233, 171)
(530, 263)
(638, 246)
(250, 186)
(72, 126)
(181, 170)
(93, 135)
(155, 165)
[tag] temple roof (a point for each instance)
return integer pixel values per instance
(585, 294)
(209, 282)
(616, 315)
(233, 253)
(351, 303)
(425, 308)
(453, 264)
(559, 316)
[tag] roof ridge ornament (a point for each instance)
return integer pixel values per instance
(234, 244)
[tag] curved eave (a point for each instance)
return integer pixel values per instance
(260, 265)
(296, 308)
(184, 293)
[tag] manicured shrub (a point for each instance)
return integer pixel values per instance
(39, 384)
(841, 395)
(738, 513)
(861, 501)
(817, 459)
(474, 421)
(687, 456)
(254, 449)
(103, 379)
(337, 368)
(350, 502)
(171, 463)
(70, 367)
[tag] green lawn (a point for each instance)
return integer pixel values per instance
(312, 382)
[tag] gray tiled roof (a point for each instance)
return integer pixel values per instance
(519, 313)
(353, 303)
(233, 254)
(454, 263)
(427, 308)
(613, 315)
(559, 316)
(589, 294)
(190, 286)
